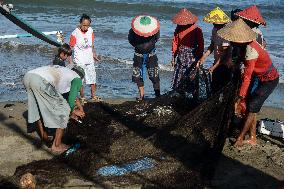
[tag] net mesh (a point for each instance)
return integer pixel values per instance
(182, 136)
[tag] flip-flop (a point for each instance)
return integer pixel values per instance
(83, 100)
(96, 99)
(140, 99)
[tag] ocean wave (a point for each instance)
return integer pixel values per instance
(113, 60)
(270, 9)
(19, 47)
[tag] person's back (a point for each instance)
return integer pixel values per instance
(58, 76)
(143, 45)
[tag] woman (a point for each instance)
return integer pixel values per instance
(258, 68)
(253, 19)
(82, 42)
(220, 70)
(187, 46)
(46, 105)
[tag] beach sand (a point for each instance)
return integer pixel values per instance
(258, 167)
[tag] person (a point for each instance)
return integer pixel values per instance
(187, 46)
(220, 70)
(253, 19)
(64, 51)
(82, 43)
(258, 70)
(46, 105)
(143, 36)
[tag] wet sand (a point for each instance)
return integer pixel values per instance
(258, 167)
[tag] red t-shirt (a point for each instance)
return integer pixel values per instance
(257, 63)
(189, 37)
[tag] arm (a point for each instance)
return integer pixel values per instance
(72, 44)
(174, 48)
(217, 63)
(200, 41)
(93, 47)
(248, 70)
(206, 54)
(76, 85)
(131, 39)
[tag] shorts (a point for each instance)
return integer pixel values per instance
(262, 92)
(90, 73)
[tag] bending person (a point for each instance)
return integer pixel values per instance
(259, 73)
(46, 105)
(221, 73)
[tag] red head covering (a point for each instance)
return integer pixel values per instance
(184, 17)
(252, 14)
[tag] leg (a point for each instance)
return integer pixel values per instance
(93, 90)
(82, 92)
(252, 140)
(57, 145)
(153, 72)
(141, 92)
(248, 125)
(42, 132)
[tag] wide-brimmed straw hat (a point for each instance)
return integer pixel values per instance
(217, 16)
(145, 26)
(252, 14)
(184, 17)
(237, 31)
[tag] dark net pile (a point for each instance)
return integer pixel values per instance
(183, 138)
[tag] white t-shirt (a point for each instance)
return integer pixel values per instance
(58, 76)
(82, 43)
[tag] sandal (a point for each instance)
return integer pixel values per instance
(83, 100)
(140, 99)
(96, 99)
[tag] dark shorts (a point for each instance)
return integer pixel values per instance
(262, 92)
(152, 69)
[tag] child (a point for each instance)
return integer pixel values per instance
(82, 42)
(143, 36)
(63, 52)
(187, 46)
(221, 73)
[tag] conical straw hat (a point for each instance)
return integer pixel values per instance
(144, 25)
(237, 31)
(184, 17)
(252, 14)
(217, 16)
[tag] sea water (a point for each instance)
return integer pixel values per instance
(111, 22)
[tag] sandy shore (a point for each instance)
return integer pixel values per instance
(258, 167)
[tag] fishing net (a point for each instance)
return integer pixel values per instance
(169, 142)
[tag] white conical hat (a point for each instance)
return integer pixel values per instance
(144, 25)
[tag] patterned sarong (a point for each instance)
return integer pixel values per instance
(183, 66)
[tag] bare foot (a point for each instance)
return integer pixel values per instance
(61, 148)
(251, 142)
(239, 143)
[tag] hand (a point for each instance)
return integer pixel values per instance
(78, 113)
(96, 58)
(238, 108)
(211, 69)
(173, 62)
(199, 62)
